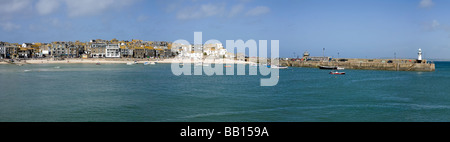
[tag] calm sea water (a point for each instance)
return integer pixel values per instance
(117, 92)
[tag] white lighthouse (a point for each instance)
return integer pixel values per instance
(419, 58)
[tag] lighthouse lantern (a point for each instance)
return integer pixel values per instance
(419, 58)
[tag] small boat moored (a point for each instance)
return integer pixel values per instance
(278, 67)
(331, 68)
(328, 67)
(337, 73)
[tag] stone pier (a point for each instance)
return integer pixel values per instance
(366, 64)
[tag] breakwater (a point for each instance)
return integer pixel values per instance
(366, 64)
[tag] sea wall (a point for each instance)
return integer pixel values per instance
(366, 64)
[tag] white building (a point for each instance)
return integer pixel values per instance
(185, 51)
(215, 50)
(112, 51)
(45, 51)
(196, 55)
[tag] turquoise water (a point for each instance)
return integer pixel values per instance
(117, 92)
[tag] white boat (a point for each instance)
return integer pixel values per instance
(26, 70)
(198, 64)
(253, 65)
(206, 65)
(146, 63)
(339, 68)
(278, 67)
(338, 73)
(57, 67)
(130, 64)
(152, 63)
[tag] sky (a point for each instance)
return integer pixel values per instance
(345, 28)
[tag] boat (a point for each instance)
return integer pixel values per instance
(337, 73)
(339, 68)
(206, 65)
(328, 67)
(130, 63)
(199, 64)
(278, 67)
(146, 63)
(26, 70)
(98, 63)
(253, 65)
(152, 63)
(229, 66)
(57, 67)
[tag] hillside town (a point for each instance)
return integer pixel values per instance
(98, 48)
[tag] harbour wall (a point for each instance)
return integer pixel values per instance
(366, 64)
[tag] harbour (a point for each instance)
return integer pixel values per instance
(246, 62)
(366, 64)
(419, 64)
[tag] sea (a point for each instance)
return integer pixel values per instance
(152, 93)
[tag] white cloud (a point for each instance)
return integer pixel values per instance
(9, 26)
(94, 7)
(426, 3)
(45, 7)
(235, 10)
(202, 11)
(12, 6)
(172, 5)
(188, 10)
(435, 24)
(259, 10)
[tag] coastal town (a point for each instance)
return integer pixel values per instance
(98, 48)
(124, 51)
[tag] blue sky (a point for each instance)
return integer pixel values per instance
(354, 28)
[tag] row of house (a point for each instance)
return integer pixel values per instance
(114, 48)
(92, 49)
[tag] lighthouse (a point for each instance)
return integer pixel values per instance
(419, 58)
